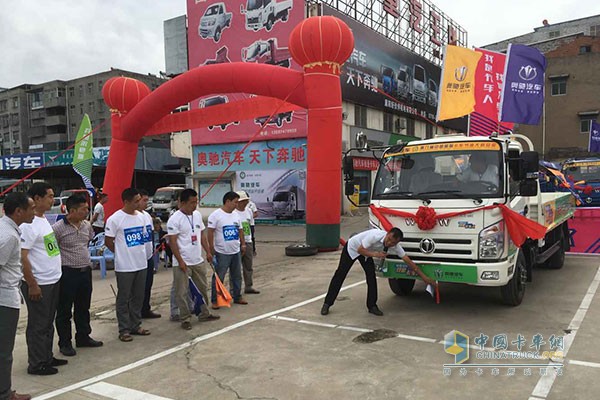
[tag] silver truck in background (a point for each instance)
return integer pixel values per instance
(264, 13)
(214, 20)
(289, 202)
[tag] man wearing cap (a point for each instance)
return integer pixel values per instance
(246, 217)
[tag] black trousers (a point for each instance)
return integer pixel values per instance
(9, 317)
(148, 288)
(74, 300)
(40, 324)
(253, 239)
(340, 274)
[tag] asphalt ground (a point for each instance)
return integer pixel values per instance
(280, 347)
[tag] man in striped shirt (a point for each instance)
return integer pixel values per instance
(73, 235)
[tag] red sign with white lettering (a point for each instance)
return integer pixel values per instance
(365, 164)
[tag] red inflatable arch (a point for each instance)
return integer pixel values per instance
(320, 44)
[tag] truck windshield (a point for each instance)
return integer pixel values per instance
(254, 4)
(214, 10)
(281, 196)
(164, 195)
(459, 172)
(419, 73)
(586, 171)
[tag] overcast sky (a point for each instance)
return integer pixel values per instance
(43, 40)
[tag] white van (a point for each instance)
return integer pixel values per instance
(165, 200)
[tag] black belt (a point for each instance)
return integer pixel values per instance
(79, 269)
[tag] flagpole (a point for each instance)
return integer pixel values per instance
(544, 129)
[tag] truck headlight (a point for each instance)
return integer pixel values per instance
(212, 22)
(491, 241)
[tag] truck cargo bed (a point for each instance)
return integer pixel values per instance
(556, 208)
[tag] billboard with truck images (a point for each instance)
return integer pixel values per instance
(254, 31)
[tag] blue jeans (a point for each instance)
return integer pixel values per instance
(233, 263)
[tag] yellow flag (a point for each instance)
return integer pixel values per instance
(457, 86)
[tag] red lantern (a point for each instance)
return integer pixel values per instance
(122, 94)
(324, 42)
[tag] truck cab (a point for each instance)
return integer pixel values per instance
(471, 177)
(165, 200)
(214, 20)
(265, 13)
(420, 89)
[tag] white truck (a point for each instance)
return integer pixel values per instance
(461, 174)
(214, 20)
(289, 202)
(265, 13)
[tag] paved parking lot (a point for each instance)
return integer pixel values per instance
(280, 347)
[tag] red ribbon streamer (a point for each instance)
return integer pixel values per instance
(519, 227)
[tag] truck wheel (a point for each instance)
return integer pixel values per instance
(217, 35)
(286, 16)
(279, 122)
(401, 287)
(300, 250)
(557, 260)
(269, 24)
(514, 290)
(223, 127)
(210, 127)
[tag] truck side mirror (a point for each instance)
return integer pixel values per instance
(348, 167)
(530, 161)
(349, 188)
(528, 187)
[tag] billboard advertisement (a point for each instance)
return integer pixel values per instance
(274, 154)
(384, 75)
(254, 31)
(279, 194)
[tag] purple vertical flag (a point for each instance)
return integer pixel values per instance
(523, 91)
(594, 146)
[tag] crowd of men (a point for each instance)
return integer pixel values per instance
(49, 267)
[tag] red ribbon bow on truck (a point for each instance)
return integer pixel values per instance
(519, 227)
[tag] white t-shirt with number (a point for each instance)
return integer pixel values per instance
(227, 231)
(129, 233)
(246, 220)
(148, 235)
(44, 254)
(371, 240)
(188, 229)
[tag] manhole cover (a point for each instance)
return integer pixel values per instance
(375, 336)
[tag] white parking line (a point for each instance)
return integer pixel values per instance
(544, 385)
(165, 353)
(585, 363)
(120, 393)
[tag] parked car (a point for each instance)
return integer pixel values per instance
(59, 206)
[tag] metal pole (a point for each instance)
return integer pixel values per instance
(544, 130)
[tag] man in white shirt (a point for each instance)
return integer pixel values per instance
(187, 238)
(365, 246)
(42, 270)
(254, 209)
(480, 171)
(246, 216)
(226, 244)
(126, 237)
(18, 209)
(98, 215)
(149, 238)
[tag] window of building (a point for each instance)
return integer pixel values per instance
(37, 100)
(585, 123)
(15, 102)
(559, 87)
(360, 116)
(595, 30)
(81, 108)
(80, 90)
(100, 83)
(92, 106)
(553, 34)
(71, 91)
(72, 109)
(3, 105)
(410, 126)
(60, 92)
(388, 122)
(428, 131)
(90, 87)
(14, 119)
(585, 49)
(73, 126)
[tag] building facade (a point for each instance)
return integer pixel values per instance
(389, 91)
(46, 116)
(572, 51)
